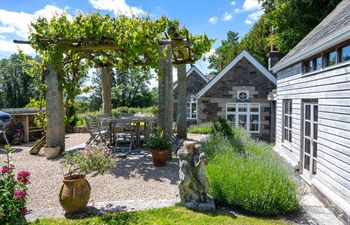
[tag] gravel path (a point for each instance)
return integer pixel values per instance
(133, 178)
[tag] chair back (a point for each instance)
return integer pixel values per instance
(92, 124)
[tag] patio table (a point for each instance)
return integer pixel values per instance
(134, 121)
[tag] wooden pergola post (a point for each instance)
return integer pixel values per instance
(182, 102)
(165, 83)
(106, 90)
(55, 131)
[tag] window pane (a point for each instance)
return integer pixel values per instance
(307, 145)
(307, 162)
(315, 150)
(290, 136)
(290, 122)
(308, 112)
(242, 108)
(254, 118)
(242, 121)
(286, 121)
(231, 108)
(345, 53)
(232, 118)
(307, 129)
(318, 63)
(254, 108)
(314, 165)
(315, 131)
(315, 113)
(286, 107)
(331, 58)
(286, 134)
(308, 66)
(254, 127)
(194, 110)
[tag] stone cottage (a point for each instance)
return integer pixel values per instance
(313, 109)
(195, 81)
(240, 94)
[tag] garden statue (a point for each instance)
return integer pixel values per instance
(193, 182)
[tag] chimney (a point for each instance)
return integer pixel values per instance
(273, 55)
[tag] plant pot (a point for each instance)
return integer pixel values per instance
(51, 152)
(159, 157)
(75, 194)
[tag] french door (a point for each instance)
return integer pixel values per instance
(310, 121)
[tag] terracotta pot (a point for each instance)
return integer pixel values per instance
(51, 152)
(159, 157)
(75, 193)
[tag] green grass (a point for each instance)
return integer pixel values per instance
(204, 128)
(164, 216)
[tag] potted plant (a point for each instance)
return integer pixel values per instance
(160, 149)
(75, 191)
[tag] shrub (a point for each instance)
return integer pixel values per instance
(246, 173)
(204, 128)
(13, 192)
(222, 127)
(92, 159)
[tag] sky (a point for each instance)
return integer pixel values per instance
(213, 17)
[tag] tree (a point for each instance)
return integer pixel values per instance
(226, 52)
(16, 87)
(292, 20)
(132, 88)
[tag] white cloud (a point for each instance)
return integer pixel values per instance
(10, 47)
(18, 22)
(210, 53)
(227, 16)
(117, 6)
(253, 17)
(213, 20)
(250, 5)
(233, 3)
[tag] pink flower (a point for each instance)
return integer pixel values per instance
(87, 148)
(20, 194)
(12, 166)
(24, 210)
(23, 176)
(5, 170)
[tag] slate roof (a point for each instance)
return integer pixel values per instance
(337, 20)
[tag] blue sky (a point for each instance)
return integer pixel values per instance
(215, 18)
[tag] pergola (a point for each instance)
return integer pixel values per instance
(175, 48)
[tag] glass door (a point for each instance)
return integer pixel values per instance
(310, 139)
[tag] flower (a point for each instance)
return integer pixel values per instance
(5, 170)
(24, 210)
(23, 176)
(20, 194)
(12, 166)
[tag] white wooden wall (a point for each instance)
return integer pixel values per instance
(332, 89)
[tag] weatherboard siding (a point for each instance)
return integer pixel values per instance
(332, 90)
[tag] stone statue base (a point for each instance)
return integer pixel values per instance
(208, 205)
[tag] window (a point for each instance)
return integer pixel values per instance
(287, 120)
(331, 58)
(243, 95)
(308, 66)
(244, 115)
(191, 109)
(317, 63)
(345, 53)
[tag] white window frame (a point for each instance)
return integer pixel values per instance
(248, 113)
(290, 121)
(192, 101)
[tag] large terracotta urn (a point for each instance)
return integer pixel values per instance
(75, 194)
(159, 157)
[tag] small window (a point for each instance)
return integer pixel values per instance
(331, 58)
(308, 66)
(191, 109)
(243, 95)
(317, 63)
(287, 117)
(244, 115)
(345, 53)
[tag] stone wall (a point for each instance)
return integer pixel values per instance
(242, 77)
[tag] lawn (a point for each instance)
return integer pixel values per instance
(170, 215)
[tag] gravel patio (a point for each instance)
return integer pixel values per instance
(132, 178)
